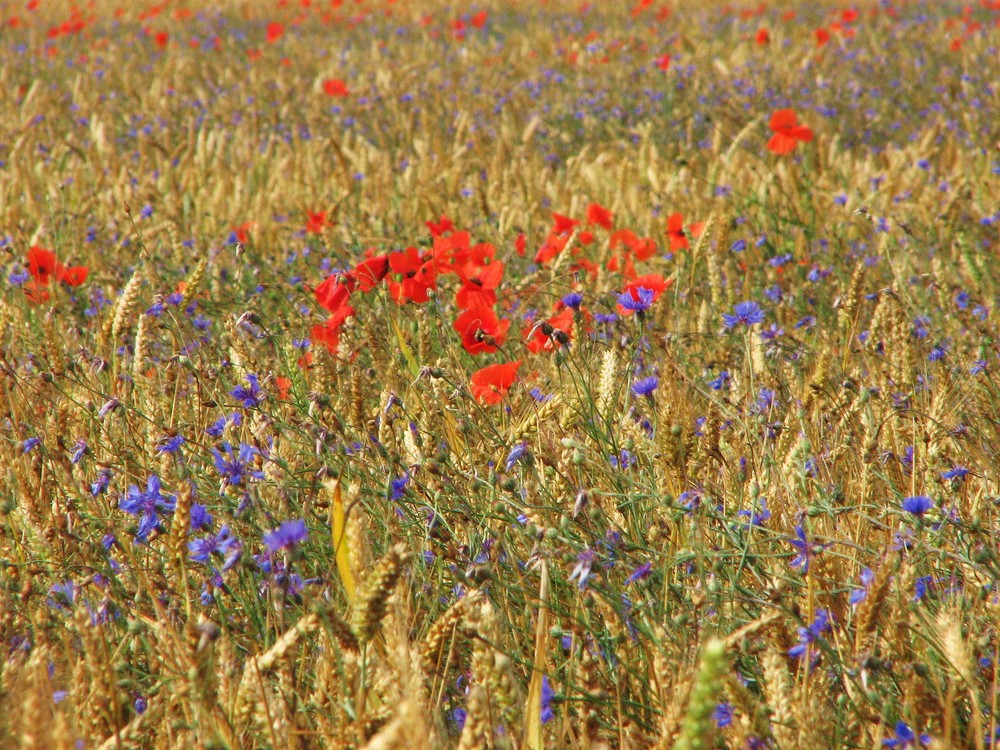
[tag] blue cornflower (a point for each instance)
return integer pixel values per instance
(30, 444)
(639, 573)
(286, 536)
(170, 444)
(720, 382)
(223, 544)
(100, 484)
(921, 586)
(233, 466)
(917, 505)
(905, 737)
(757, 518)
(959, 472)
(637, 300)
(723, 715)
(573, 300)
(147, 505)
(200, 517)
(859, 595)
(547, 695)
(809, 635)
(516, 454)
(79, 451)
(739, 246)
(585, 561)
(645, 386)
(250, 395)
(398, 486)
(805, 549)
(744, 313)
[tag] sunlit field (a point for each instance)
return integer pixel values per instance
(388, 374)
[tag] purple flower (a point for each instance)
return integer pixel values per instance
(147, 505)
(645, 386)
(859, 595)
(223, 544)
(171, 444)
(516, 454)
(917, 505)
(573, 300)
(744, 313)
(398, 486)
(723, 715)
(100, 485)
(28, 445)
(233, 466)
(805, 549)
(639, 573)
(639, 303)
(585, 561)
(547, 695)
(809, 635)
(905, 737)
(286, 536)
(959, 472)
(250, 395)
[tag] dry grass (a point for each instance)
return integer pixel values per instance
(726, 562)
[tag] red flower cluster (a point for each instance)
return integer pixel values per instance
(43, 267)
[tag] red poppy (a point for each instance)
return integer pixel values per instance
(334, 291)
(599, 215)
(550, 334)
(418, 275)
(443, 226)
(371, 271)
(554, 244)
(787, 132)
(74, 275)
(161, 38)
(327, 335)
(479, 283)
(315, 221)
(763, 37)
(481, 330)
(490, 384)
(42, 264)
(563, 224)
(643, 247)
(335, 87)
(284, 384)
(662, 62)
(521, 244)
(479, 19)
(675, 233)
(822, 36)
(275, 31)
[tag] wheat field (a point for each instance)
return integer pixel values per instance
(412, 374)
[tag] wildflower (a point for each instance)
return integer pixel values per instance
(316, 222)
(171, 444)
(787, 132)
(959, 472)
(490, 384)
(645, 386)
(286, 536)
(547, 695)
(585, 561)
(481, 330)
(757, 518)
(249, 395)
(809, 635)
(639, 573)
(573, 300)
(335, 87)
(723, 715)
(223, 544)
(233, 466)
(551, 334)
(516, 454)
(147, 505)
(905, 737)
(635, 300)
(720, 382)
(100, 484)
(79, 451)
(917, 505)
(599, 215)
(397, 486)
(744, 313)
(859, 595)
(418, 274)
(274, 32)
(675, 233)
(200, 517)
(640, 293)
(806, 550)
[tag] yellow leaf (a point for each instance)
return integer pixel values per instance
(338, 522)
